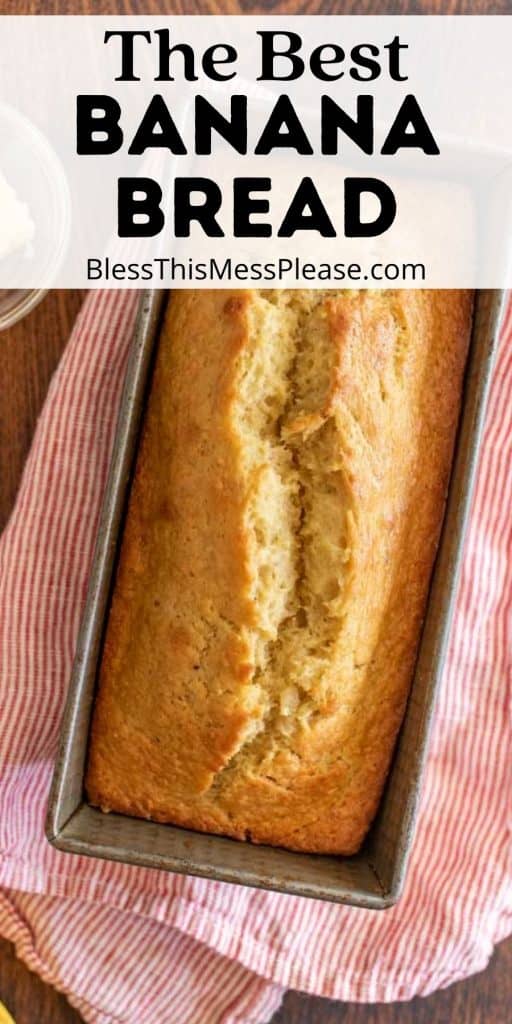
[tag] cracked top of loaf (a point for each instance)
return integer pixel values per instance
(274, 569)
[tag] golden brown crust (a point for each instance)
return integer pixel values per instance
(281, 532)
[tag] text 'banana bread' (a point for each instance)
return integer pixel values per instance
(280, 537)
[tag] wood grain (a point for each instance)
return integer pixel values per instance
(29, 354)
(27, 998)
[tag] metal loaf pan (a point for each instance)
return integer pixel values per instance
(375, 877)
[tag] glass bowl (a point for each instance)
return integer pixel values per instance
(15, 303)
(29, 162)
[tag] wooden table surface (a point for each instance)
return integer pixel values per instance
(29, 354)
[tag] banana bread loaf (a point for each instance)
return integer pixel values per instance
(275, 564)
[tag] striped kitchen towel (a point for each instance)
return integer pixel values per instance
(129, 945)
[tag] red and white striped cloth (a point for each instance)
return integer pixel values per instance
(130, 945)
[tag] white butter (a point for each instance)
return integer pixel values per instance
(16, 225)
